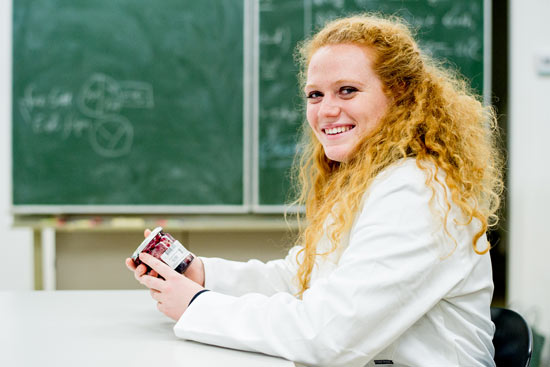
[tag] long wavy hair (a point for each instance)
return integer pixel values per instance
(433, 117)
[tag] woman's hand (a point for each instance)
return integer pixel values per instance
(195, 271)
(173, 293)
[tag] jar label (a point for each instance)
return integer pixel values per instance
(174, 254)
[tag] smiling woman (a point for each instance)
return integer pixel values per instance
(345, 98)
(400, 179)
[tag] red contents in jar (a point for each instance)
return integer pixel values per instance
(160, 246)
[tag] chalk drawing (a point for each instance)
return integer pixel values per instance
(112, 136)
(102, 95)
(93, 113)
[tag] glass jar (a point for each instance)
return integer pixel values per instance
(165, 248)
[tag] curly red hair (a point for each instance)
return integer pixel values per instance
(434, 117)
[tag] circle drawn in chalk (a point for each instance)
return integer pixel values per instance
(99, 96)
(112, 136)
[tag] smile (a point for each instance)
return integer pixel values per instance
(338, 130)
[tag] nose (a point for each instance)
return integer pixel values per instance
(329, 108)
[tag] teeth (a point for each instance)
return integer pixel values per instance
(337, 130)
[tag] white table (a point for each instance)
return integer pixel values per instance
(102, 328)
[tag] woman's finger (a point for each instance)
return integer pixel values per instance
(155, 294)
(161, 308)
(140, 271)
(130, 264)
(161, 268)
(153, 283)
(147, 232)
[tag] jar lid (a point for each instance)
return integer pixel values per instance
(146, 241)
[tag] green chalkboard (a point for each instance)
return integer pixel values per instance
(180, 105)
(127, 103)
(451, 30)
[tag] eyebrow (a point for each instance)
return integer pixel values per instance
(339, 81)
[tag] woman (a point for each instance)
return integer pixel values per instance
(400, 178)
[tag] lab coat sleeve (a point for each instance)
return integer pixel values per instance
(390, 275)
(237, 278)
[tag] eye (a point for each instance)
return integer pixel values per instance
(347, 91)
(314, 94)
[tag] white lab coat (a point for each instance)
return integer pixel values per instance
(399, 288)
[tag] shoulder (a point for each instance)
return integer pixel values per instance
(400, 198)
(403, 176)
(408, 169)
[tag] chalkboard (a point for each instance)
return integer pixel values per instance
(127, 103)
(451, 30)
(181, 105)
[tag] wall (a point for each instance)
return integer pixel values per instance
(529, 179)
(15, 246)
(96, 260)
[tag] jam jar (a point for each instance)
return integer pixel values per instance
(165, 248)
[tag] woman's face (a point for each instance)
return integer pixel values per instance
(345, 98)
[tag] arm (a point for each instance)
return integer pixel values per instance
(234, 277)
(238, 278)
(174, 291)
(391, 274)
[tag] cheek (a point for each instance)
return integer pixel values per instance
(311, 116)
(382, 105)
(377, 111)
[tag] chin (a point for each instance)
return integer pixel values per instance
(337, 156)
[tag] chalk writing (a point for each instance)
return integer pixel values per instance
(281, 38)
(94, 113)
(424, 22)
(436, 48)
(267, 5)
(101, 95)
(471, 49)
(457, 18)
(54, 99)
(336, 3)
(44, 111)
(282, 114)
(321, 18)
(75, 125)
(270, 69)
(276, 154)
